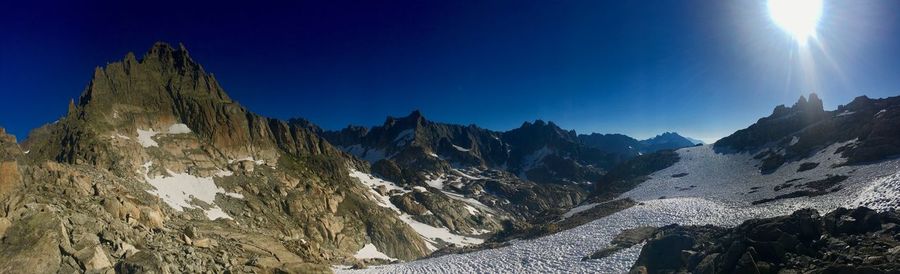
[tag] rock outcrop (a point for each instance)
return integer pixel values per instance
(869, 127)
(843, 241)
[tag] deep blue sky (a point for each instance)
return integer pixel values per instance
(701, 68)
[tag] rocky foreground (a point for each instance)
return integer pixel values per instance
(860, 240)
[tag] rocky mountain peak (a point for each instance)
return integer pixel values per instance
(166, 55)
(813, 104)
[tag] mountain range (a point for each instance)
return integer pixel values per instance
(155, 169)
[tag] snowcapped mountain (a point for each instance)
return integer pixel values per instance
(156, 169)
(723, 185)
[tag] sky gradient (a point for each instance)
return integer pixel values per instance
(701, 68)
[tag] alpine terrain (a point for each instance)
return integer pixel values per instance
(155, 169)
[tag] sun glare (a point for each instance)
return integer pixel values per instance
(799, 18)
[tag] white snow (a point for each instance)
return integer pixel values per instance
(369, 251)
(578, 209)
(370, 155)
(432, 154)
(178, 129)
(461, 148)
(179, 190)
(119, 135)
(794, 140)
(846, 112)
(404, 137)
(223, 173)
(248, 158)
(880, 112)
(27, 151)
(532, 160)
(420, 189)
(883, 194)
(720, 196)
(435, 183)
(429, 233)
(145, 138)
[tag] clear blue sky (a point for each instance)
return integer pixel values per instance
(701, 68)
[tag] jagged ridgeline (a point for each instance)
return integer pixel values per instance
(156, 168)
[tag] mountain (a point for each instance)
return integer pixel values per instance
(695, 141)
(629, 147)
(155, 159)
(716, 209)
(668, 140)
(867, 128)
(156, 169)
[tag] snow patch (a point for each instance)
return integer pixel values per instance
(429, 233)
(578, 209)
(404, 137)
(248, 158)
(145, 138)
(370, 155)
(179, 190)
(846, 112)
(178, 129)
(369, 251)
(461, 148)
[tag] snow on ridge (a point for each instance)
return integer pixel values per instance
(404, 137)
(179, 190)
(428, 233)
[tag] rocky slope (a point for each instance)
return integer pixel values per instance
(843, 241)
(155, 168)
(794, 133)
(529, 173)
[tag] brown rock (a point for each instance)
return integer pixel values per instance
(10, 178)
(34, 242)
(93, 258)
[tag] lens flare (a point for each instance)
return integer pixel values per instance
(799, 18)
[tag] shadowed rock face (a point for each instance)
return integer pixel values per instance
(794, 133)
(843, 241)
(417, 143)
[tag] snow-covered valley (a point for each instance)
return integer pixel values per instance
(717, 189)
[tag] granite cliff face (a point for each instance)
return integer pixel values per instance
(156, 168)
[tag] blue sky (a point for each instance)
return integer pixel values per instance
(701, 68)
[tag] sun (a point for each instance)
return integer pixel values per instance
(799, 18)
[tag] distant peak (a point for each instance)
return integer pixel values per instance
(813, 104)
(415, 114)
